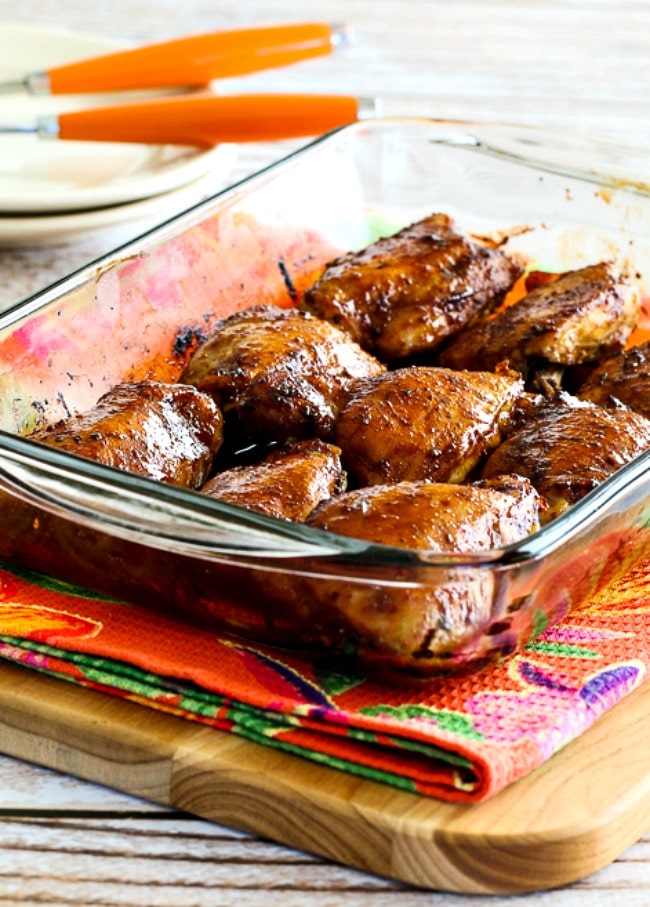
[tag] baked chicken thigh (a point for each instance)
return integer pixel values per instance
(288, 483)
(282, 373)
(168, 432)
(415, 622)
(567, 447)
(623, 378)
(424, 423)
(406, 293)
(577, 318)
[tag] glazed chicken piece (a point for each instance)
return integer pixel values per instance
(406, 293)
(417, 623)
(623, 378)
(567, 447)
(288, 483)
(577, 318)
(168, 432)
(435, 516)
(423, 422)
(281, 373)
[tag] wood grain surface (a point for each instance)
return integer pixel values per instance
(571, 817)
(579, 65)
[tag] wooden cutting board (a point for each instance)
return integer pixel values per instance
(572, 816)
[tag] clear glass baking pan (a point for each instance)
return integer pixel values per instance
(141, 310)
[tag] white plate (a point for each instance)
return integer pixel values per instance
(47, 176)
(42, 230)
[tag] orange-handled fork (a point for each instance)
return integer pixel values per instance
(187, 62)
(205, 120)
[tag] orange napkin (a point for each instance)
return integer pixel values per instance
(460, 739)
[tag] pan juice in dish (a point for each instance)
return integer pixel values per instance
(414, 605)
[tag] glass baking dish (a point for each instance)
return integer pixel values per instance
(140, 311)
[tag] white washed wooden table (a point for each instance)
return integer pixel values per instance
(575, 65)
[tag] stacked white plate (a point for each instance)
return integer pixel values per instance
(50, 189)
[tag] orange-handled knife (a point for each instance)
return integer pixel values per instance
(187, 62)
(205, 120)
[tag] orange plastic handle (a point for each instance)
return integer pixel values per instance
(207, 121)
(195, 60)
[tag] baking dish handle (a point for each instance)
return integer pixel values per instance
(611, 163)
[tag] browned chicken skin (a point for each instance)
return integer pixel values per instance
(415, 621)
(577, 318)
(283, 373)
(623, 378)
(168, 432)
(435, 516)
(406, 293)
(289, 483)
(567, 447)
(424, 423)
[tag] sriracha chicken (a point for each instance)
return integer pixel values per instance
(567, 447)
(435, 516)
(623, 378)
(413, 621)
(168, 432)
(424, 423)
(282, 373)
(577, 318)
(406, 293)
(287, 484)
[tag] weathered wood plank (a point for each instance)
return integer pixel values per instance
(116, 862)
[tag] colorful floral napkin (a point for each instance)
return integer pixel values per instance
(459, 739)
